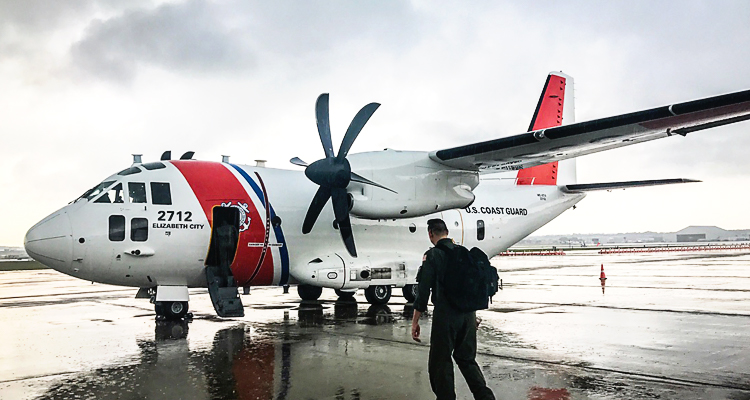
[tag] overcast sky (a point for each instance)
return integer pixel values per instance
(85, 83)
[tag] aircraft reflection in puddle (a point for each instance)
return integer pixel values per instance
(312, 313)
(240, 362)
(538, 393)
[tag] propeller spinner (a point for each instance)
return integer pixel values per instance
(333, 173)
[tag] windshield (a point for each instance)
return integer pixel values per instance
(96, 190)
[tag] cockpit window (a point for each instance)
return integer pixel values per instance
(113, 195)
(160, 193)
(137, 191)
(129, 171)
(96, 190)
(153, 165)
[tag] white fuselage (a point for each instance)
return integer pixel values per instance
(137, 242)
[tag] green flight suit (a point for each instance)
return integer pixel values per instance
(454, 333)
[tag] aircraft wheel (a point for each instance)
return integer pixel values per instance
(410, 292)
(378, 294)
(176, 309)
(345, 295)
(309, 292)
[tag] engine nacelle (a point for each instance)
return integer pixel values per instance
(422, 185)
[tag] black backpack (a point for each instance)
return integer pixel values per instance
(469, 281)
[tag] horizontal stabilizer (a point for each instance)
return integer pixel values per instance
(590, 187)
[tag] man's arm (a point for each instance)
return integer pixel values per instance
(425, 281)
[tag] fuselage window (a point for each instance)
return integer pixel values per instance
(129, 171)
(113, 195)
(139, 229)
(160, 193)
(137, 192)
(96, 190)
(116, 228)
(153, 165)
(480, 229)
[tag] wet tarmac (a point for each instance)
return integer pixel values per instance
(673, 326)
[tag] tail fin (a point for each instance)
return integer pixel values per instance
(555, 108)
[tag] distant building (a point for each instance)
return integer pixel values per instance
(702, 233)
(689, 234)
(691, 237)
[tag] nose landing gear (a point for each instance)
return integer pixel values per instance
(171, 309)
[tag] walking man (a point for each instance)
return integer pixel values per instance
(454, 333)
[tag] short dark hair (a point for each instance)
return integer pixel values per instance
(437, 227)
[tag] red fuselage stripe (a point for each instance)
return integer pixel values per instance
(214, 184)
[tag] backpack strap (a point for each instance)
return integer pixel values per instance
(440, 275)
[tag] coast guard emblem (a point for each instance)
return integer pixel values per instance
(244, 219)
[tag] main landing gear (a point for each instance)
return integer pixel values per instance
(378, 294)
(375, 294)
(410, 293)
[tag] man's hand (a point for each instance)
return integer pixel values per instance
(415, 330)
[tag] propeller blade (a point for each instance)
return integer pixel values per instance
(341, 209)
(362, 179)
(324, 127)
(298, 161)
(316, 205)
(355, 127)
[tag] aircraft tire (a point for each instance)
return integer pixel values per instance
(344, 295)
(175, 309)
(410, 293)
(309, 292)
(378, 294)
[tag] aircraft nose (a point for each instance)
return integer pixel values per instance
(50, 241)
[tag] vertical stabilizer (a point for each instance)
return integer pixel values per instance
(555, 108)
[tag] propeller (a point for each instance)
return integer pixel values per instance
(333, 173)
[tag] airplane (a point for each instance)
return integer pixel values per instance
(169, 225)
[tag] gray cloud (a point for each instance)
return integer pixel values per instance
(181, 37)
(202, 36)
(302, 27)
(38, 15)
(246, 74)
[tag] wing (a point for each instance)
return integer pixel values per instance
(542, 146)
(590, 187)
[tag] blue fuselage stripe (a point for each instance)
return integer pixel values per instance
(276, 229)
